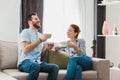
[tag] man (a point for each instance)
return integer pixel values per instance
(31, 44)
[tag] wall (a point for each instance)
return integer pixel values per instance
(9, 19)
(113, 41)
(113, 16)
(89, 24)
(113, 49)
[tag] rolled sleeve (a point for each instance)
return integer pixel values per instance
(82, 45)
(25, 36)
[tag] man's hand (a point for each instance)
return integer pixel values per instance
(44, 37)
(57, 48)
(49, 46)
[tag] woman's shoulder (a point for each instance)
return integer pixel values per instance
(81, 40)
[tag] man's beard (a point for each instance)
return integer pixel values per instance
(36, 26)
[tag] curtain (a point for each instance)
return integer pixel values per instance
(59, 14)
(28, 6)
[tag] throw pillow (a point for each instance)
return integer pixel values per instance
(59, 58)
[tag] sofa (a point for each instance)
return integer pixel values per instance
(9, 71)
(4, 76)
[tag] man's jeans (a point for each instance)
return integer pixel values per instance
(76, 65)
(33, 68)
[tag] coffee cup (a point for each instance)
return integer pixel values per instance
(63, 44)
(49, 35)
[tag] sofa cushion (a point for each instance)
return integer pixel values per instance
(23, 75)
(8, 54)
(6, 77)
(59, 58)
(86, 75)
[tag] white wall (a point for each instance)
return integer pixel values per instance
(113, 42)
(113, 16)
(9, 19)
(89, 25)
(113, 49)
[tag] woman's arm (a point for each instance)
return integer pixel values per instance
(79, 47)
(76, 48)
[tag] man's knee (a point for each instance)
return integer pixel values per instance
(35, 67)
(55, 67)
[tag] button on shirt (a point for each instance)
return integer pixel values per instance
(30, 36)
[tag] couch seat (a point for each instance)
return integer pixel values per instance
(6, 77)
(86, 75)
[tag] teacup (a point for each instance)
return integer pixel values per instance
(49, 35)
(63, 44)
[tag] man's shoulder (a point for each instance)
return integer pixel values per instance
(24, 31)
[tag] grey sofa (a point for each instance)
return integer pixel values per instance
(8, 66)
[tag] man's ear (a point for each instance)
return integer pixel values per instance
(29, 21)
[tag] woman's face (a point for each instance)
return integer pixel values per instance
(71, 33)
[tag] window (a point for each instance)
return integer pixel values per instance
(59, 14)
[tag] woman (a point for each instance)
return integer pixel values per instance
(78, 61)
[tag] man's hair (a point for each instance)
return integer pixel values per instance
(29, 17)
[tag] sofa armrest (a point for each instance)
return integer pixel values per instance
(102, 68)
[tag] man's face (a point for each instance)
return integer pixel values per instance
(36, 21)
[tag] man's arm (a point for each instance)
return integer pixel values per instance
(27, 47)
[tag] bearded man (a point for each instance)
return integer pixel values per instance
(30, 47)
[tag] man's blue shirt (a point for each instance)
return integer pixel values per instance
(30, 36)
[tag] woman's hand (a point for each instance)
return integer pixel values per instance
(71, 44)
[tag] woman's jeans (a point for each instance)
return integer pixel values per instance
(33, 68)
(76, 65)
